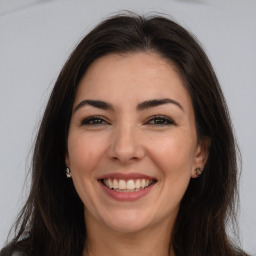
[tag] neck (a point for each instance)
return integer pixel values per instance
(101, 241)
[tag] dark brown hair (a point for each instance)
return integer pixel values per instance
(52, 220)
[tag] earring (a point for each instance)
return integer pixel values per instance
(198, 172)
(68, 173)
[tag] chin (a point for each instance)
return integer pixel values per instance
(127, 222)
(127, 228)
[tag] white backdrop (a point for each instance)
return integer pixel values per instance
(37, 36)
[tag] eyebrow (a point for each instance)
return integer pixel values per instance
(94, 103)
(157, 102)
(141, 106)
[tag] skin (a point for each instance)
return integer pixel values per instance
(128, 140)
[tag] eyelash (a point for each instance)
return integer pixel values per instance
(92, 119)
(98, 120)
(164, 121)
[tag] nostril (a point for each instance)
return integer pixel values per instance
(127, 156)
(126, 146)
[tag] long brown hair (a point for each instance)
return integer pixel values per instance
(52, 220)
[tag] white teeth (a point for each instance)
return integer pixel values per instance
(110, 183)
(143, 183)
(115, 184)
(130, 185)
(137, 184)
(122, 184)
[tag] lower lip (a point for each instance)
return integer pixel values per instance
(126, 196)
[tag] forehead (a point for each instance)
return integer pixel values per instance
(133, 76)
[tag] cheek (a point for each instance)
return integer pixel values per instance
(174, 154)
(173, 157)
(84, 153)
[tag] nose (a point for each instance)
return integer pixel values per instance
(126, 145)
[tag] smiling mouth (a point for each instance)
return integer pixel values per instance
(127, 186)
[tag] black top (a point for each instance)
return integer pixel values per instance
(6, 252)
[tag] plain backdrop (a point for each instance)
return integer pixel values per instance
(36, 37)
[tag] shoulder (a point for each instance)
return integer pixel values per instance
(7, 252)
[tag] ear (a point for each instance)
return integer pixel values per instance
(67, 160)
(201, 155)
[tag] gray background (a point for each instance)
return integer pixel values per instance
(37, 36)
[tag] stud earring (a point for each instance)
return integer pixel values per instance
(68, 173)
(198, 172)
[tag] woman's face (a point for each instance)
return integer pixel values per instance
(132, 143)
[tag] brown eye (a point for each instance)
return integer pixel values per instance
(95, 120)
(160, 121)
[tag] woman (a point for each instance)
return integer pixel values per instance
(138, 121)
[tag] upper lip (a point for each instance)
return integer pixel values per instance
(125, 176)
